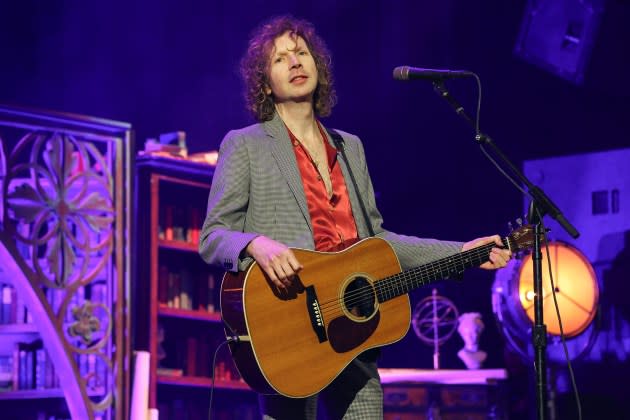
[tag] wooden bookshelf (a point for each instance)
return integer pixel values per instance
(178, 317)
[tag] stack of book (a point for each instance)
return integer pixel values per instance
(178, 289)
(169, 145)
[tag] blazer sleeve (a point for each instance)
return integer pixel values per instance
(222, 238)
(410, 250)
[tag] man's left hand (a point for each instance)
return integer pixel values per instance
(498, 256)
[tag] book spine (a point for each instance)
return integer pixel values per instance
(210, 293)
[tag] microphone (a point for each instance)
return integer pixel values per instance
(409, 73)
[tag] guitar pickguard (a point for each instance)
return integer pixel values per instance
(344, 334)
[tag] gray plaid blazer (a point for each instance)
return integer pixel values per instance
(257, 190)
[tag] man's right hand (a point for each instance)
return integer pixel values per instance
(276, 260)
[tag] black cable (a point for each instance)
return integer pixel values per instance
(562, 338)
(214, 362)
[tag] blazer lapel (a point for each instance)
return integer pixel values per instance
(282, 150)
(353, 165)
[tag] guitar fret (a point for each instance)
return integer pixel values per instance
(450, 266)
(403, 282)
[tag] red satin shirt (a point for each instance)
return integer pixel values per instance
(332, 220)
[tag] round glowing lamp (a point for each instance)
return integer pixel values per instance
(577, 293)
(576, 289)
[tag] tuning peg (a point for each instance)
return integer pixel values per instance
(519, 221)
(510, 227)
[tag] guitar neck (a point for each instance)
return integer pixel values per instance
(448, 267)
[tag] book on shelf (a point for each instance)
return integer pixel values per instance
(8, 314)
(201, 301)
(210, 305)
(29, 366)
(174, 289)
(186, 292)
(169, 212)
(195, 225)
(208, 158)
(40, 368)
(203, 357)
(191, 356)
(163, 285)
(12, 307)
(6, 372)
(177, 138)
(163, 371)
(180, 224)
(223, 373)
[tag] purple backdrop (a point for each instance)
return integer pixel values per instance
(165, 66)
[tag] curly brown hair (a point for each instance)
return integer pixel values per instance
(255, 66)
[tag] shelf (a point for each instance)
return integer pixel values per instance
(176, 167)
(164, 311)
(178, 245)
(236, 385)
(18, 329)
(35, 394)
(201, 382)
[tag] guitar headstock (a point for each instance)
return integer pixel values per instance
(521, 238)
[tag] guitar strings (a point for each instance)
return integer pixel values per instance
(436, 269)
(400, 283)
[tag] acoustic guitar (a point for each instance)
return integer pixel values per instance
(294, 342)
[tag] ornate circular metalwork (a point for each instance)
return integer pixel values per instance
(58, 201)
(58, 204)
(434, 319)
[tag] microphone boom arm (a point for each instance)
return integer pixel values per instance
(544, 204)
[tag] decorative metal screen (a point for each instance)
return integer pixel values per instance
(65, 232)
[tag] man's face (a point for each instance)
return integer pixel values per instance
(292, 70)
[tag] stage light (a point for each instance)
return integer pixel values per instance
(577, 292)
(576, 289)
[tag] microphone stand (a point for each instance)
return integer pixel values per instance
(540, 205)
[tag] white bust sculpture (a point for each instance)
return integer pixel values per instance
(469, 328)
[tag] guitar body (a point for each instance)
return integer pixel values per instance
(284, 346)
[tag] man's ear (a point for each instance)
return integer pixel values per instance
(267, 89)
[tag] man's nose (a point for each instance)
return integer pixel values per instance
(293, 60)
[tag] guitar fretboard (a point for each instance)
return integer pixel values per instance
(448, 267)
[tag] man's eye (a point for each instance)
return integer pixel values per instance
(303, 53)
(277, 60)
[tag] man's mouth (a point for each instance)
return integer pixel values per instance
(298, 78)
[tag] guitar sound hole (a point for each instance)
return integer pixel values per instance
(359, 298)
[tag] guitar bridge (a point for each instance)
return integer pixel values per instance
(315, 313)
